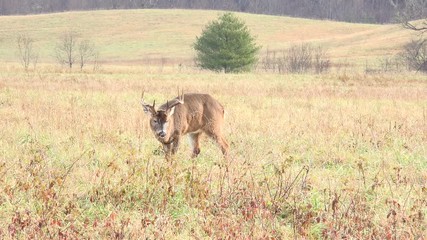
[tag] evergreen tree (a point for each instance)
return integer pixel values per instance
(226, 45)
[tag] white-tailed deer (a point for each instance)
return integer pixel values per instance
(191, 113)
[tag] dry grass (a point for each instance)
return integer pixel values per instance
(312, 157)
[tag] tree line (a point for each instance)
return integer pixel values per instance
(368, 11)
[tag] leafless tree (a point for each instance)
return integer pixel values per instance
(96, 62)
(71, 50)
(269, 61)
(26, 53)
(299, 58)
(86, 52)
(422, 27)
(412, 10)
(65, 50)
(414, 54)
(321, 61)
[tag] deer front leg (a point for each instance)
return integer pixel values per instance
(175, 145)
(167, 148)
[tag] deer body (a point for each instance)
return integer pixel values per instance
(197, 114)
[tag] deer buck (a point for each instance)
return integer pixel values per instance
(197, 114)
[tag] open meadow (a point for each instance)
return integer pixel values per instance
(325, 156)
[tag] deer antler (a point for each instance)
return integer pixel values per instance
(176, 101)
(147, 107)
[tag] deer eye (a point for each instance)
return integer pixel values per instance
(155, 120)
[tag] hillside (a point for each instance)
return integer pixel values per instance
(134, 36)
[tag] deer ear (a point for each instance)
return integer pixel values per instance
(146, 109)
(171, 111)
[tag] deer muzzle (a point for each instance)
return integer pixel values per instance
(161, 134)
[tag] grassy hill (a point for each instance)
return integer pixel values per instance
(130, 36)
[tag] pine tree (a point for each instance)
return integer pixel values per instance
(226, 45)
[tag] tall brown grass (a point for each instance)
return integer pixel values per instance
(312, 156)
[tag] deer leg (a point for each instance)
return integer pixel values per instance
(167, 148)
(195, 143)
(175, 145)
(218, 138)
(223, 144)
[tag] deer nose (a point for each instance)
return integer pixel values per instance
(162, 134)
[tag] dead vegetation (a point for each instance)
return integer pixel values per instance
(341, 155)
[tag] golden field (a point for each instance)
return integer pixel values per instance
(311, 156)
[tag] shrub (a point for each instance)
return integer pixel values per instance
(414, 55)
(226, 45)
(297, 59)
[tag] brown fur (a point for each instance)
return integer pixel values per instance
(200, 113)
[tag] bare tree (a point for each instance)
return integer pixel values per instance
(96, 62)
(269, 61)
(414, 54)
(412, 10)
(422, 27)
(321, 60)
(299, 58)
(72, 50)
(65, 50)
(26, 52)
(86, 53)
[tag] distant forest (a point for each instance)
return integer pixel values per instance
(367, 11)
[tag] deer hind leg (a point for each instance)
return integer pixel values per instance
(217, 136)
(194, 139)
(223, 144)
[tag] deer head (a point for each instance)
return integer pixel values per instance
(160, 119)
